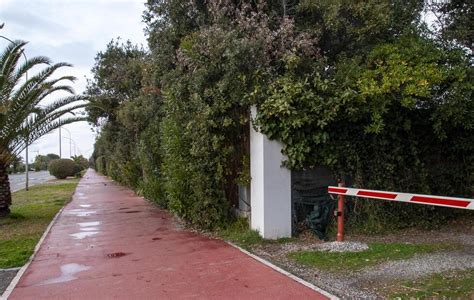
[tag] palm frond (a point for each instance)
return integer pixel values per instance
(63, 102)
(39, 81)
(21, 143)
(22, 120)
(10, 56)
(29, 64)
(11, 48)
(31, 94)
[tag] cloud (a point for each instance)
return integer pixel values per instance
(80, 53)
(30, 22)
(72, 31)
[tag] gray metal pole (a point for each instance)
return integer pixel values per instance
(70, 141)
(60, 153)
(27, 166)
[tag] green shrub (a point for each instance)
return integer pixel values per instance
(81, 162)
(62, 168)
(100, 165)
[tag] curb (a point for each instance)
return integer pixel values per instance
(286, 273)
(18, 276)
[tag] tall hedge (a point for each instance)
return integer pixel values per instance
(361, 87)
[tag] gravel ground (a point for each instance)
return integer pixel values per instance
(6, 276)
(342, 247)
(372, 281)
(420, 265)
(336, 284)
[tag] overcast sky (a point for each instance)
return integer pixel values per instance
(72, 31)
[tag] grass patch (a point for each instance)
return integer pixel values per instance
(239, 233)
(32, 211)
(453, 285)
(377, 253)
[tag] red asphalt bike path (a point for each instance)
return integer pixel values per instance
(109, 243)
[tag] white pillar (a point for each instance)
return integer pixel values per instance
(270, 187)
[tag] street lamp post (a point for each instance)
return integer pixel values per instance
(27, 166)
(70, 140)
(37, 154)
(26, 138)
(60, 154)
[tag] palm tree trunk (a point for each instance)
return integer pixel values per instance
(5, 194)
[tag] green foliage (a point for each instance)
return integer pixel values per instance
(100, 165)
(62, 168)
(360, 87)
(16, 165)
(376, 254)
(455, 20)
(117, 78)
(42, 161)
(52, 156)
(238, 232)
(345, 27)
(81, 162)
(81, 165)
(383, 121)
(125, 103)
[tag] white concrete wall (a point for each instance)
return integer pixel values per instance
(270, 187)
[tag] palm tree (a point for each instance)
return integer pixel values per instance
(22, 119)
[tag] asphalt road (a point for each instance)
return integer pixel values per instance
(17, 181)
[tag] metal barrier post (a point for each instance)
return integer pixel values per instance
(342, 191)
(340, 215)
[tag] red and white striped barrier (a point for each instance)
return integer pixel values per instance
(454, 202)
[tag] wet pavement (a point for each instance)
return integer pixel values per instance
(109, 243)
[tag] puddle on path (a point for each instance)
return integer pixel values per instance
(89, 229)
(89, 224)
(67, 273)
(85, 205)
(82, 235)
(80, 212)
